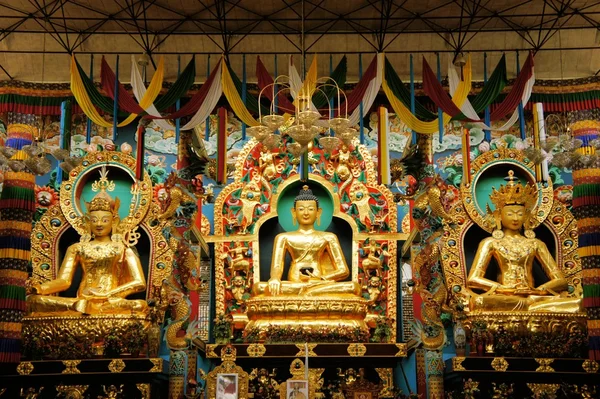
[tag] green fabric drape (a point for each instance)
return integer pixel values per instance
(403, 93)
(251, 101)
(104, 103)
(183, 83)
(490, 91)
(320, 100)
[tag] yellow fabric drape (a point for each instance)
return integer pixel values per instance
(152, 92)
(412, 122)
(84, 101)
(234, 99)
(310, 82)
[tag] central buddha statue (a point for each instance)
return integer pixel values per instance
(514, 288)
(318, 266)
(111, 269)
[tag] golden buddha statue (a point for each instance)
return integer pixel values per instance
(514, 288)
(318, 265)
(111, 268)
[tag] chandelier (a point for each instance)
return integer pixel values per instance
(307, 123)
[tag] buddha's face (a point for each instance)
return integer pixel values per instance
(101, 223)
(306, 212)
(513, 217)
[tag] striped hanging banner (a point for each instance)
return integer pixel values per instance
(383, 163)
(17, 206)
(586, 209)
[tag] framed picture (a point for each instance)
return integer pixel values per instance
(297, 389)
(362, 395)
(227, 386)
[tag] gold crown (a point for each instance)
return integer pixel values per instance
(102, 201)
(514, 193)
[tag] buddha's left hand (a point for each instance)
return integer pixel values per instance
(527, 291)
(95, 292)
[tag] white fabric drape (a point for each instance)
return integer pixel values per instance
(468, 110)
(139, 89)
(210, 102)
(370, 93)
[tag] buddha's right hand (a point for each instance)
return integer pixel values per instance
(274, 286)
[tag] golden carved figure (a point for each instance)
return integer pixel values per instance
(111, 269)
(238, 261)
(318, 265)
(266, 163)
(343, 169)
(514, 288)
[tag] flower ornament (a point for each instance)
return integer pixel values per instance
(45, 197)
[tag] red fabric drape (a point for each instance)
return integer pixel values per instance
(264, 80)
(513, 98)
(356, 96)
(437, 94)
(192, 106)
(126, 102)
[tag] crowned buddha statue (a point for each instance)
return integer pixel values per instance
(111, 269)
(318, 266)
(514, 288)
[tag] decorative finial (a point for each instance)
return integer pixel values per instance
(103, 184)
(511, 180)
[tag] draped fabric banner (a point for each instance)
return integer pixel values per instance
(431, 127)
(127, 103)
(468, 109)
(516, 94)
(356, 96)
(370, 93)
(298, 86)
(266, 81)
(328, 89)
(83, 99)
(234, 99)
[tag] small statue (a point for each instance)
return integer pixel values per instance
(31, 393)
(359, 195)
(515, 288)
(112, 392)
(374, 287)
(105, 260)
(238, 262)
(266, 164)
(318, 265)
(373, 251)
(343, 169)
(238, 288)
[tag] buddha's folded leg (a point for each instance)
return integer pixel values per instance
(329, 287)
(555, 304)
(119, 305)
(46, 303)
(286, 288)
(499, 302)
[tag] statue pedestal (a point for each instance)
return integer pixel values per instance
(285, 318)
(46, 332)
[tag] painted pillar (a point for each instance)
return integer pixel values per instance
(177, 374)
(586, 209)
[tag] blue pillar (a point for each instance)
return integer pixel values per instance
(178, 104)
(207, 122)
(88, 133)
(488, 133)
(521, 112)
(412, 96)
(361, 122)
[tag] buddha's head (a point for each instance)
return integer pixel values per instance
(306, 208)
(102, 215)
(514, 203)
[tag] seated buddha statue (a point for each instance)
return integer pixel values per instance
(514, 289)
(318, 266)
(111, 269)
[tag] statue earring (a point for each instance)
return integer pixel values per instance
(318, 220)
(529, 233)
(293, 220)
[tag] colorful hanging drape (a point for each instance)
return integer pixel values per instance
(233, 96)
(17, 206)
(265, 80)
(83, 99)
(431, 127)
(515, 96)
(586, 209)
(321, 98)
(125, 101)
(357, 95)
